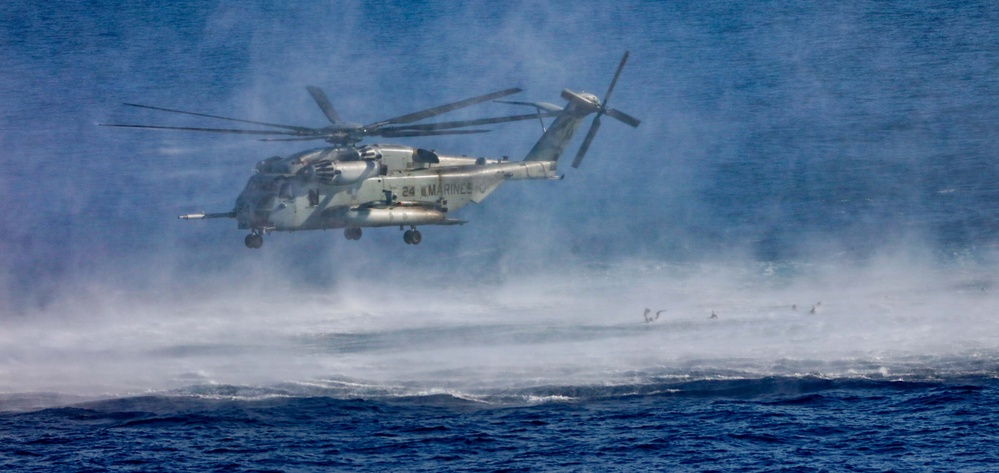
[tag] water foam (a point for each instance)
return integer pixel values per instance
(581, 329)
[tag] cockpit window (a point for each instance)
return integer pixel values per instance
(265, 183)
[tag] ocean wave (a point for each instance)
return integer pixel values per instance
(798, 389)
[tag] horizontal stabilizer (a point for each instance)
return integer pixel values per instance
(579, 100)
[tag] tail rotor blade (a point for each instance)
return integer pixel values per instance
(617, 74)
(602, 109)
(586, 142)
(624, 117)
(324, 104)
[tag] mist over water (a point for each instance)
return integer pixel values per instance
(836, 154)
(516, 341)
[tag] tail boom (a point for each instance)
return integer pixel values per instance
(552, 144)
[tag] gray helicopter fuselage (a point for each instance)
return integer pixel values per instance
(355, 187)
(371, 186)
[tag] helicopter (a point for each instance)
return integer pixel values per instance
(351, 186)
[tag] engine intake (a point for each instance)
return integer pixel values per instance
(342, 173)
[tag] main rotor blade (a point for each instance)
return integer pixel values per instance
(624, 117)
(477, 122)
(300, 138)
(548, 107)
(324, 104)
(390, 133)
(210, 130)
(417, 116)
(586, 142)
(617, 74)
(287, 127)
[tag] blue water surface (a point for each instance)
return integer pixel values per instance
(768, 424)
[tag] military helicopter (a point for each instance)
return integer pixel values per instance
(353, 186)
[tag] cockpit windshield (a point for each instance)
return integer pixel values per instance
(263, 183)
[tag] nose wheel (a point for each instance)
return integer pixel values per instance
(412, 237)
(352, 233)
(254, 241)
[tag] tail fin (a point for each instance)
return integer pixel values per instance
(552, 144)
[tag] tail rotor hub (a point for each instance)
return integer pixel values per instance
(600, 108)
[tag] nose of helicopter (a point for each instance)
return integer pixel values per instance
(254, 211)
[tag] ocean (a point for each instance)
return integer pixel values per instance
(789, 266)
(766, 424)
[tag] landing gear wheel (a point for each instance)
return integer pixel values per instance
(352, 233)
(254, 241)
(412, 237)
